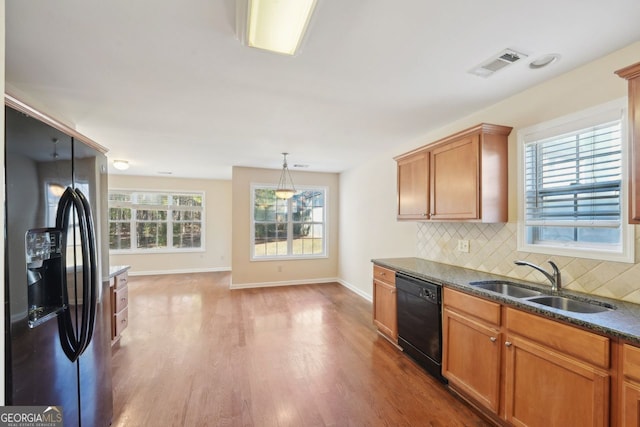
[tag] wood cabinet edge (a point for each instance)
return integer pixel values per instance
(629, 72)
(482, 128)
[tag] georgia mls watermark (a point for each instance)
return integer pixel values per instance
(31, 416)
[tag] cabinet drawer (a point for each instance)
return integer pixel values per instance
(480, 308)
(121, 320)
(583, 345)
(631, 362)
(384, 275)
(121, 280)
(120, 299)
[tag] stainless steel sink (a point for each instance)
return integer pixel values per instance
(568, 304)
(506, 288)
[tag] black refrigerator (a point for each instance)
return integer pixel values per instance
(58, 329)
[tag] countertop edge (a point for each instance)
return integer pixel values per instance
(117, 269)
(622, 323)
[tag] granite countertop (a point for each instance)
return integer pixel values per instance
(114, 270)
(622, 322)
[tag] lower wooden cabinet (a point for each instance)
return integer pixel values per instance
(471, 358)
(630, 404)
(527, 370)
(385, 313)
(555, 374)
(546, 388)
(119, 305)
(630, 386)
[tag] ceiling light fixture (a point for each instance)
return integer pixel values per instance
(121, 165)
(274, 25)
(285, 189)
(544, 61)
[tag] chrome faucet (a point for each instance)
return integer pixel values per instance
(555, 279)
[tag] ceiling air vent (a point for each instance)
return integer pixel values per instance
(500, 61)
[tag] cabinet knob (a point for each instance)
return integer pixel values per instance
(493, 339)
(508, 343)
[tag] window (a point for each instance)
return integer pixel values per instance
(572, 192)
(293, 228)
(155, 221)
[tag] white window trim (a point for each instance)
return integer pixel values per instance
(325, 240)
(614, 109)
(168, 249)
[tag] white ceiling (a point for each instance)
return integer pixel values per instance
(167, 85)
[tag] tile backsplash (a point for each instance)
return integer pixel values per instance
(493, 250)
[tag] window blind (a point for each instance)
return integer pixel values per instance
(574, 180)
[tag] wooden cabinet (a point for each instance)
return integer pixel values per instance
(525, 369)
(413, 186)
(630, 394)
(461, 177)
(472, 345)
(555, 374)
(384, 302)
(632, 74)
(119, 305)
(631, 404)
(455, 170)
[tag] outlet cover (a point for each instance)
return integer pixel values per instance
(463, 246)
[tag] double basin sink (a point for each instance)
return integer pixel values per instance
(516, 290)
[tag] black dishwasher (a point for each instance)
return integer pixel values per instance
(420, 322)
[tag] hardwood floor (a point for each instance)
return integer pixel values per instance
(198, 354)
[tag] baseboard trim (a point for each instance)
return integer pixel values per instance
(183, 271)
(344, 283)
(282, 283)
(355, 290)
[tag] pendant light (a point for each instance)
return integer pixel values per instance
(285, 189)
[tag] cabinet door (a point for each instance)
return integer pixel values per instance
(455, 179)
(545, 388)
(471, 358)
(631, 404)
(413, 188)
(384, 309)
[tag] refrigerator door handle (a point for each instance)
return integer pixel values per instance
(72, 345)
(89, 270)
(68, 339)
(83, 337)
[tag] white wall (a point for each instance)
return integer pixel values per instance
(373, 185)
(368, 226)
(217, 241)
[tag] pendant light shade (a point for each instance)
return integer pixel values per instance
(285, 189)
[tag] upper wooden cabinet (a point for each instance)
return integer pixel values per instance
(462, 177)
(413, 186)
(632, 74)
